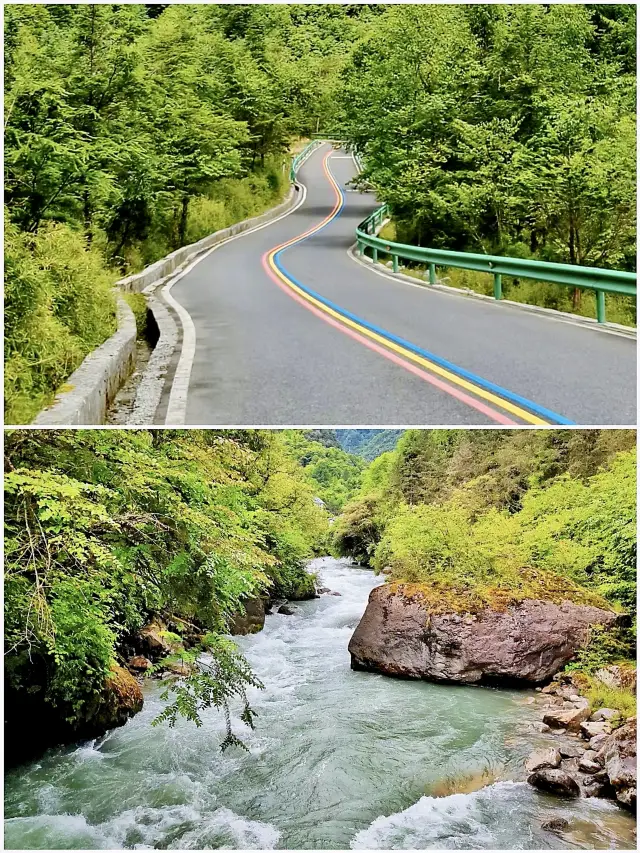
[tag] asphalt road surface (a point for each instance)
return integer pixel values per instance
(306, 335)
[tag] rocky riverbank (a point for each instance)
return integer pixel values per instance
(591, 754)
(163, 648)
(396, 752)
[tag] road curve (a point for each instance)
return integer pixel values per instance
(282, 327)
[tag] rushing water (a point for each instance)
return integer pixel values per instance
(338, 760)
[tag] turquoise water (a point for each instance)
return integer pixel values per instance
(338, 760)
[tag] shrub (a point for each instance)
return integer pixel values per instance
(58, 307)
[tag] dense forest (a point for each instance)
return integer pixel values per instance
(514, 133)
(105, 530)
(333, 473)
(367, 443)
(131, 130)
(491, 517)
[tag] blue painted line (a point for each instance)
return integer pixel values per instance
(460, 371)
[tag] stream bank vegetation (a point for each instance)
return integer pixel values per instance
(479, 519)
(113, 536)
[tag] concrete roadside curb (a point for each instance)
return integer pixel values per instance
(95, 383)
(87, 393)
(550, 313)
(161, 269)
(163, 364)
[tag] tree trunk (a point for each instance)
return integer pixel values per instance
(88, 216)
(182, 225)
(577, 293)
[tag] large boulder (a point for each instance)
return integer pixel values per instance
(566, 718)
(527, 642)
(252, 620)
(554, 781)
(618, 754)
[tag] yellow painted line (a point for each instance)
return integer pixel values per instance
(519, 412)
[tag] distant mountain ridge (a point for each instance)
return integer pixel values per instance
(368, 443)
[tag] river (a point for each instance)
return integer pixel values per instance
(338, 760)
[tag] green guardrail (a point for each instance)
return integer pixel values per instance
(586, 278)
(299, 159)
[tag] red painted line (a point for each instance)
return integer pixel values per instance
(498, 417)
(493, 414)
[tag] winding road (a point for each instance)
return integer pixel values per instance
(282, 326)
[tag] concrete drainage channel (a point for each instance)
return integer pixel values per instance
(113, 385)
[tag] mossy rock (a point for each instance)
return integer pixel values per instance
(442, 595)
(304, 589)
(121, 699)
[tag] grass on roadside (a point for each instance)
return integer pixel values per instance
(59, 303)
(59, 306)
(619, 309)
(138, 305)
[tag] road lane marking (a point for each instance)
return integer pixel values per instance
(427, 361)
(177, 405)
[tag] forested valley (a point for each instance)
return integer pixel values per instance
(132, 130)
(470, 520)
(107, 530)
(203, 586)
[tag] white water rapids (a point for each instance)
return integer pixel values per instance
(339, 759)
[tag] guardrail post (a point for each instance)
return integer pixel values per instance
(600, 281)
(497, 285)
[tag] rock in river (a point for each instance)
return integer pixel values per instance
(139, 663)
(619, 756)
(555, 782)
(562, 718)
(568, 750)
(555, 824)
(542, 758)
(120, 700)
(527, 642)
(590, 730)
(252, 620)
